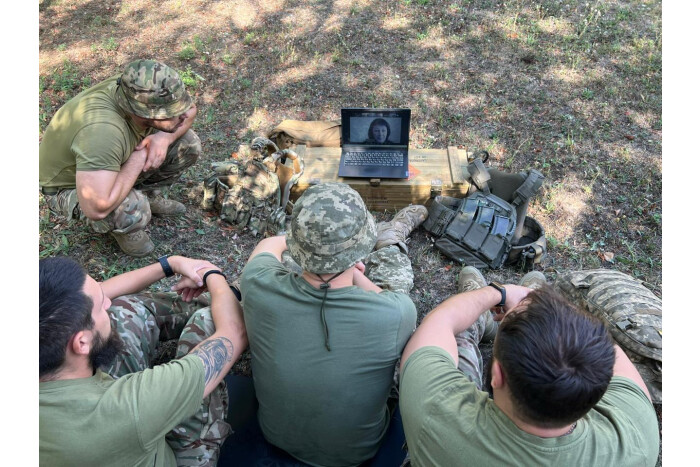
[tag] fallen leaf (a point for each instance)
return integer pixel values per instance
(608, 256)
(629, 137)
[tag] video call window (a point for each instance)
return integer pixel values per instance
(375, 130)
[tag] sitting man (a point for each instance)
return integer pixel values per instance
(100, 402)
(110, 144)
(325, 343)
(563, 392)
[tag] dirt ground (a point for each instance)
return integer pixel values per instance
(570, 88)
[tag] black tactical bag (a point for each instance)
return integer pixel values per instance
(490, 227)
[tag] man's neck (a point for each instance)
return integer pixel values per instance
(68, 371)
(504, 403)
(343, 280)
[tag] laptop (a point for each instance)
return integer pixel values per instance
(374, 143)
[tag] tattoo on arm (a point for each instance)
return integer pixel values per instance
(215, 353)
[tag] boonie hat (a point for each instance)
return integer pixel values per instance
(331, 229)
(150, 89)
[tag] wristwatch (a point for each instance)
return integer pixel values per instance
(501, 288)
(163, 260)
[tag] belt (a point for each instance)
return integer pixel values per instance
(49, 190)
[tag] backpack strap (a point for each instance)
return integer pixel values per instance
(527, 190)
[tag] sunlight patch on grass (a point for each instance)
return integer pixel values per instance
(259, 120)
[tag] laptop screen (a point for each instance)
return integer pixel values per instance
(376, 126)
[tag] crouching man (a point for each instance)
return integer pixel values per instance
(100, 401)
(563, 392)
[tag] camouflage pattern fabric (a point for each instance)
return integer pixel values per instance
(150, 89)
(247, 192)
(331, 229)
(142, 320)
(470, 360)
(390, 269)
(631, 311)
(134, 212)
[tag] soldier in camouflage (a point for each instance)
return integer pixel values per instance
(558, 381)
(332, 332)
(108, 152)
(180, 407)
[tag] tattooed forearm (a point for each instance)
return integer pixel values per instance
(215, 353)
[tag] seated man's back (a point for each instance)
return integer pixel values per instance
(124, 420)
(563, 392)
(325, 343)
(313, 400)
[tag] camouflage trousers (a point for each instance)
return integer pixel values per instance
(134, 212)
(142, 320)
(470, 360)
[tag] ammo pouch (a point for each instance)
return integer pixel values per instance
(477, 233)
(490, 227)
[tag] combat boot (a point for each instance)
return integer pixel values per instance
(136, 243)
(164, 207)
(470, 279)
(533, 280)
(400, 227)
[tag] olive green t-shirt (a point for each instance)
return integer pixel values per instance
(90, 132)
(448, 421)
(103, 421)
(323, 407)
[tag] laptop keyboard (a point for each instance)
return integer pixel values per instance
(384, 159)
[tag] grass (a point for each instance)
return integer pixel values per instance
(570, 88)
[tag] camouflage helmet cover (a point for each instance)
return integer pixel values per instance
(150, 89)
(331, 229)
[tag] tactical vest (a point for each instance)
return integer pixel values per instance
(247, 193)
(489, 229)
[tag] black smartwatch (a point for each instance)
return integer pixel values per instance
(163, 260)
(501, 288)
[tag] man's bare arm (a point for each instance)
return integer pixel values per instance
(456, 314)
(624, 367)
(137, 280)
(274, 245)
(221, 349)
(102, 191)
(156, 145)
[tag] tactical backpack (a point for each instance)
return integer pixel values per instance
(490, 227)
(311, 133)
(630, 310)
(247, 192)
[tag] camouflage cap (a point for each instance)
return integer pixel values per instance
(331, 229)
(150, 89)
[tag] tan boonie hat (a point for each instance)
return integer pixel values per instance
(331, 229)
(150, 89)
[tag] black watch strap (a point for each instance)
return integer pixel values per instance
(163, 260)
(213, 271)
(501, 288)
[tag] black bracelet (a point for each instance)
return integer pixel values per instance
(163, 260)
(213, 271)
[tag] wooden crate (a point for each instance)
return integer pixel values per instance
(432, 172)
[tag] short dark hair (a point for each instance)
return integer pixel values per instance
(64, 309)
(556, 359)
(375, 122)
